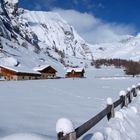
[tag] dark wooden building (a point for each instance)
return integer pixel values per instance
(9, 73)
(47, 71)
(75, 72)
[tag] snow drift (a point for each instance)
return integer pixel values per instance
(124, 126)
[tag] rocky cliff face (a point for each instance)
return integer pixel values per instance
(45, 35)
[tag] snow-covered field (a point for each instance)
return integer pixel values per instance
(35, 106)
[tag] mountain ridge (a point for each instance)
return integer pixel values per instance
(128, 48)
(33, 38)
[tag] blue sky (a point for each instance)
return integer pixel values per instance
(114, 17)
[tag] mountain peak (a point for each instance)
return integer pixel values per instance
(35, 38)
(11, 6)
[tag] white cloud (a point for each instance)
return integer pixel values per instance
(95, 30)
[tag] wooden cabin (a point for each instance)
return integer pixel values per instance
(75, 73)
(9, 73)
(47, 71)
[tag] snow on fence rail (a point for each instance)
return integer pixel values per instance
(65, 129)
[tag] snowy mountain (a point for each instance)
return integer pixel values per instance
(127, 48)
(31, 38)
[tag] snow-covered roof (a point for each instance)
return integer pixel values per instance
(41, 67)
(20, 69)
(75, 69)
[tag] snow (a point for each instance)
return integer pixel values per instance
(138, 92)
(20, 69)
(124, 126)
(9, 61)
(11, 1)
(75, 69)
(64, 125)
(97, 136)
(119, 115)
(109, 101)
(107, 131)
(122, 93)
(138, 84)
(35, 106)
(24, 136)
(125, 49)
(30, 108)
(134, 109)
(39, 68)
(133, 86)
(53, 35)
(128, 89)
(27, 58)
(54, 32)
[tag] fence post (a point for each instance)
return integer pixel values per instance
(138, 86)
(60, 135)
(130, 96)
(72, 136)
(123, 98)
(65, 129)
(110, 109)
(134, 90)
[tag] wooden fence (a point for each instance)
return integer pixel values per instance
(108, 112)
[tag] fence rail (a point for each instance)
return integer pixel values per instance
(124, 100)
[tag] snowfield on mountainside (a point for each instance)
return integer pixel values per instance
(36, 38)
(127, 48)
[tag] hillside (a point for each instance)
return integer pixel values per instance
(127, 48)
(32, 38)
(29, 39)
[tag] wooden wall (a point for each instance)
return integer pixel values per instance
(75, 74)
(12, 75)
(48, 73)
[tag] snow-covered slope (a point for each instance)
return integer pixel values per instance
(124, 126)
(35, 38)
(127, 48)
(54, 33)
